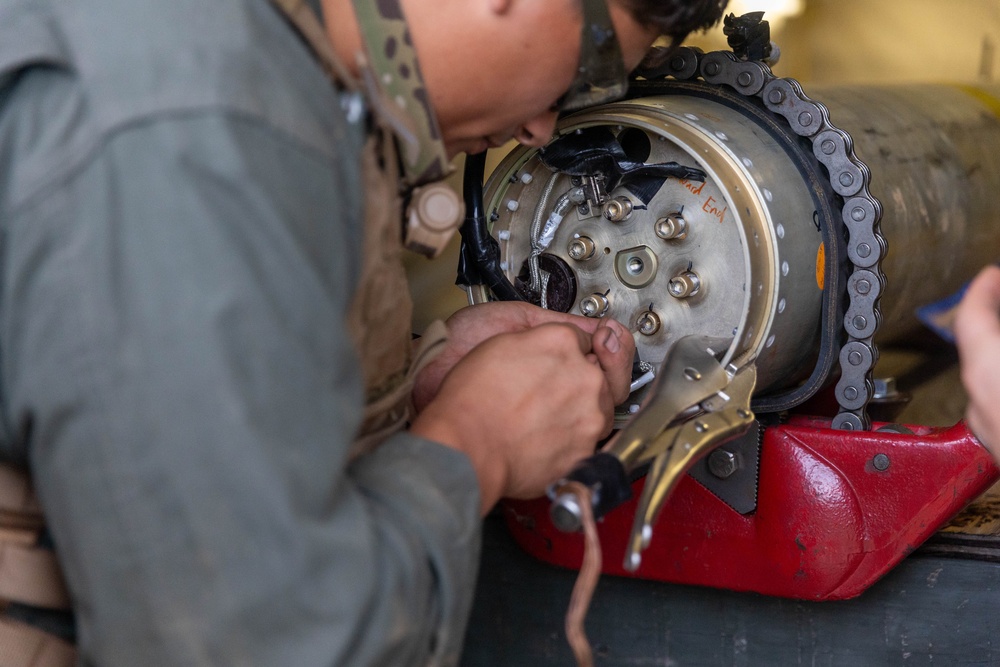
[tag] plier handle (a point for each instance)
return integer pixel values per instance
(694, 405)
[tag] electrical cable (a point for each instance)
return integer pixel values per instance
(586, 580)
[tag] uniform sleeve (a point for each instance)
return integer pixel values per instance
(175, 364)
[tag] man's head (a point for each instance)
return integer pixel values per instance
(676, 18)
(496, 69)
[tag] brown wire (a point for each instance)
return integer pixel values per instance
(586, 580)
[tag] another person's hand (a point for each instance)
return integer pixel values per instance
(526, 406)
(470, 326)
(977, 334)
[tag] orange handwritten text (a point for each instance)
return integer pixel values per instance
(694, 187)
(710, 208)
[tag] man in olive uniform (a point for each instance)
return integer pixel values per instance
(204, 359)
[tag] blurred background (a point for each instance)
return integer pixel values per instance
(821, 42)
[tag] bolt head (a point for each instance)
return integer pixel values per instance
(723, 463)
(594, 305)
(671, 227)
(881, 462)
(648, 323)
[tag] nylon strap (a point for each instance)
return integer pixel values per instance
(31, 575)
(22, 645)
(396, 84)
(19, 508)
(304, 19)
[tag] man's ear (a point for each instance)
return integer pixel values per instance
(500, 7)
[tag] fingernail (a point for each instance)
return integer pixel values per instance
(611, 341)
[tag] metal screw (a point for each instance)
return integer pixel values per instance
(881, 462)
(648, 323)
(684, 284)
(672, 227)
(885, 388)
(594, 305)
(723, 463)
(618, 209)
(581, 248)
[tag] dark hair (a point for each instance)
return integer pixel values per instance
(676, 18)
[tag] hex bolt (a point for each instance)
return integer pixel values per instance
(594, 305)
(581, 248)
(881, 462)
(648, 323)
(723, 463)
(671, 228)
(618, 209)
(885, 388)
(684, 284)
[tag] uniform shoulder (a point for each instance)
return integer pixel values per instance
(74, 73)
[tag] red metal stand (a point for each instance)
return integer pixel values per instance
(828, 522)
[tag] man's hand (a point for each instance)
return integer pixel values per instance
(977, 333)
(527, 404)
(470, 326)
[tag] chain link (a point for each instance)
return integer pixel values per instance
(861, 212)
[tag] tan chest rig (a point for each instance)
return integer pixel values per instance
(381, 312)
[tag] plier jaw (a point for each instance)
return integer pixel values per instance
(694, 405)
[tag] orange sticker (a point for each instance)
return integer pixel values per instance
(821, 267)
